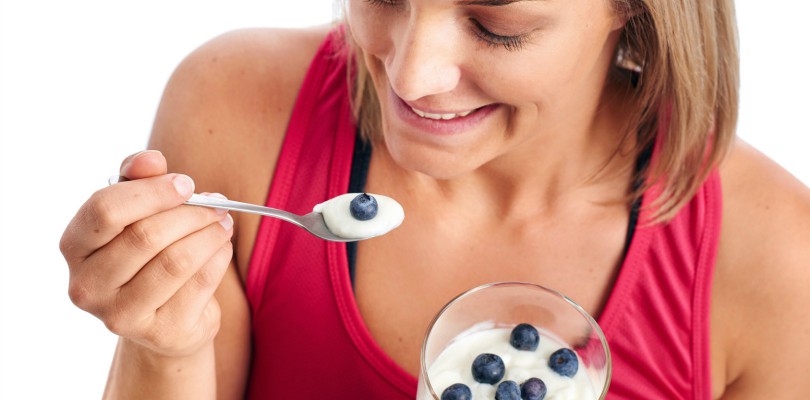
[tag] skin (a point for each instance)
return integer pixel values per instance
(526, 173)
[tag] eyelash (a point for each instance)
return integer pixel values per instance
(382, 3)
(493, 40)
(510, 43)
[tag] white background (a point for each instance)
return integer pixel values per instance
(79, 85)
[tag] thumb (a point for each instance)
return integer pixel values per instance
(143, 164)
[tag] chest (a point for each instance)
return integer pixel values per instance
(402, 279)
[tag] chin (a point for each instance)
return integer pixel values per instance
(437, 163)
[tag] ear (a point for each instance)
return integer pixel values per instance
(626, 9)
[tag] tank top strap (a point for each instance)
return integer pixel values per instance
(316, 153)
(657, 316)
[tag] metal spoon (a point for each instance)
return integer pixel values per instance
(312, 222)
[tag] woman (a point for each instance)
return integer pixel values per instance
(582, 145)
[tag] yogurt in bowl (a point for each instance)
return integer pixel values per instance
(471, 348)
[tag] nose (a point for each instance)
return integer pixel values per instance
(425, 60)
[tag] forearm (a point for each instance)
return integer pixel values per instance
(138, 373)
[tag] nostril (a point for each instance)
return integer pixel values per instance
(417, 82)
(420, 71)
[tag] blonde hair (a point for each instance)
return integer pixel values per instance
(686, 57)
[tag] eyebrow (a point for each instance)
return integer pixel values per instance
(492, 2)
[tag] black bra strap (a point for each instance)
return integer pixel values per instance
(357, 184)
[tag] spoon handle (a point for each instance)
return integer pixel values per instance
(208, 201)
(214, 202)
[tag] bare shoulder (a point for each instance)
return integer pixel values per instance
(227, 105)
(760, 317)
(225, 110)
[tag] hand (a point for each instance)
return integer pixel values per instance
(147, 265)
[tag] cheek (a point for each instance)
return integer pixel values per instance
(587, 46)
(560, 65)
(528, 76)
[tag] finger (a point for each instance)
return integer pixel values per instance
(108, 211)
(120, 260)
(143, 164)
(164, 275)
(191, 305)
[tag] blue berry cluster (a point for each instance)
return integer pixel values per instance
(489, 368)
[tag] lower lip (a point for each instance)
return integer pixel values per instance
(444, 126)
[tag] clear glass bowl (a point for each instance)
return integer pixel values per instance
(506, 304)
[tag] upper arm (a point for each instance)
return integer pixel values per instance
(760, 315)
(222, 120)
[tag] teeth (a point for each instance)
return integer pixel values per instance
(440, 116)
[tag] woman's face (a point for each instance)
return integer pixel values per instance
(463, 83)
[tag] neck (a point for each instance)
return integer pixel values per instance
(573, 162)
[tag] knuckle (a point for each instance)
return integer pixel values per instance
(118, 321)
(206, 277)
(211, 275)
(115, 326)
(140, 236)
(80, 294)
(67, 243)
(174, 262)
(101, 211)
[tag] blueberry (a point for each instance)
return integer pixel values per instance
(457, 391)
(533, 389)
(525, 337)
(363, 207)
(564, 362)
(488, 368)
(508, 390)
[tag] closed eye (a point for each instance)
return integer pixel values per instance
(510, 43)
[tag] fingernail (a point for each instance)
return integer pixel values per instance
(226, 222)
(144, 152)
(218, 196)
(183, 184)
(130, 159)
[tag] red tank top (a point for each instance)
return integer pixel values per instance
(310, 341)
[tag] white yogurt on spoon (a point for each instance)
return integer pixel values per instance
(340, 221)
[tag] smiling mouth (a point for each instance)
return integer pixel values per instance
(443, 117)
